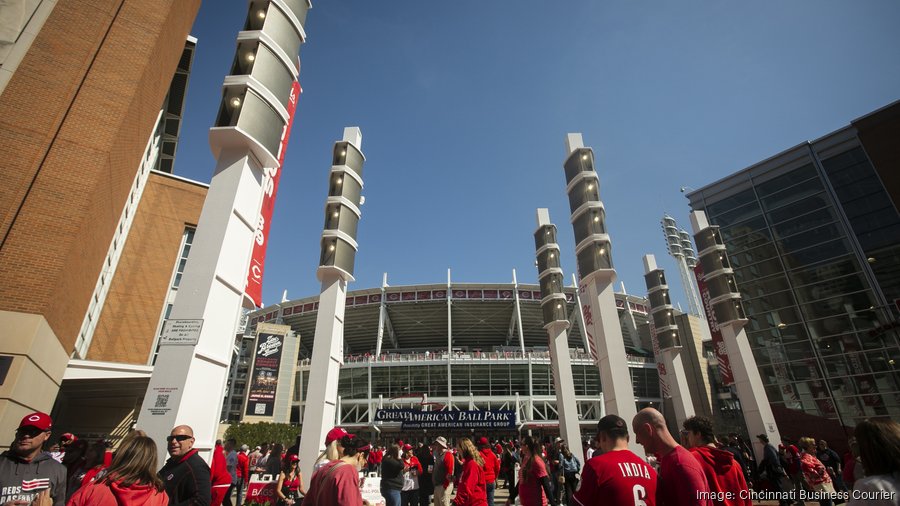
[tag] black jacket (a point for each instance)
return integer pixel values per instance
(187, 480)
(21, 480)
(391, 473)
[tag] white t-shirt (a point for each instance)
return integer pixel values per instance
(878, 490)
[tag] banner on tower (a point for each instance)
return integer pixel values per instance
(719, 347)
(271, 177)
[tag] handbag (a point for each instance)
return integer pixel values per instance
(562, 478)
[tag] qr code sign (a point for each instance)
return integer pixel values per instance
(259, 409)
(162, 400)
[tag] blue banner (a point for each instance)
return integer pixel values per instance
(470, 419)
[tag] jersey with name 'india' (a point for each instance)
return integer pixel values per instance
(617, 477)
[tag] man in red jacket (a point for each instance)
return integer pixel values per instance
(724, 476)
(491, 468)
(219, 475)
(243, 472)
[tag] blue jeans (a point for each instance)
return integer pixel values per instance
(391, 496)
(490, 493)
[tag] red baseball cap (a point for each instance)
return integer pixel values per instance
(37, 419)
(482, 441)
(293, 457)
(407, 447)
(336, 434)
(68, 436)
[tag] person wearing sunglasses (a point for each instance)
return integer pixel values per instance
(185, 475)
(27, 474)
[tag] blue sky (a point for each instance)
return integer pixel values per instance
(464, 107)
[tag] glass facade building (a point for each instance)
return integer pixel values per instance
(813, 236)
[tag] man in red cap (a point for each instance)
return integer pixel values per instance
(26, 472)
(491, 467)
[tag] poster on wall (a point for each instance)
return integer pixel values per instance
(266, 366)
(718, 341)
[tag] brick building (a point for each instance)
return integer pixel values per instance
(82, 91)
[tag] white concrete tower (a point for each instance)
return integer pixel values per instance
(335, 271)
(678, 244)
(666, 332)
(595, 267)
(248, 141)
(729, 313)
(553, 305)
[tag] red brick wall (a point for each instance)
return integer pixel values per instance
(77, 114)
(128, 323)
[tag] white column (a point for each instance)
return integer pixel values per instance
(678, 386)
(564, 383)
(325, 366)
(606, 334)
(754, 402)
(187, 380)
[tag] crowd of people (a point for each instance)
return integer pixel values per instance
(705, 471)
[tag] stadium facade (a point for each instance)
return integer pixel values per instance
(454, 346)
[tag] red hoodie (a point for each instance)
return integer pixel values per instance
(491, 465)
(471, 489)
(114, 494)
(723, 475)
(219, 476)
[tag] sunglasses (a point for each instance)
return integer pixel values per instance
(179, 438)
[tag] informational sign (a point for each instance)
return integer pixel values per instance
(456, 419)
(719, 347)
(370, 489)
(271, 177)
(181, 332)
(164, 399)
(261, 490)
(264, 375)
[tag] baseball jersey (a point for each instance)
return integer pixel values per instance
(618, 477)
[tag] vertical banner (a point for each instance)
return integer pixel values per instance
(272, 175)
(660, 366)
(718, 342)
(266, 366)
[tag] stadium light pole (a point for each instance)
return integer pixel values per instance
(595, 267)
(248, 140)
(338, 255)
(729, 313)
(665, 330)
(556, 322)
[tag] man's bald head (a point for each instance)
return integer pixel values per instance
(651, 416)
(180, 441)
(649, 427)
(183, 429)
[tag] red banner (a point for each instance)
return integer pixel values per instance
(718, 343)
(271, 177)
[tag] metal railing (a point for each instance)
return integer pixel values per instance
(468, 356)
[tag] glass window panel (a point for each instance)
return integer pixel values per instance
(855, 303)
(540, 379)
(759, 270)
(824, 251)
(731, 202)
(518, 378)
(500, 379)
(792, 194)
(759, 287)
(844, 160)
(801, 207)
(754, 225)
(860, 187)
(786, 181)
(737, 215)
(803, 223)
(811, 237)
(872, 203)
(830, 287)
(754, 255)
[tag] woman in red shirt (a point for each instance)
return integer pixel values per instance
(471, 490)
(290, 483)
(814, 473)
(131, 479)
(533, 488)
